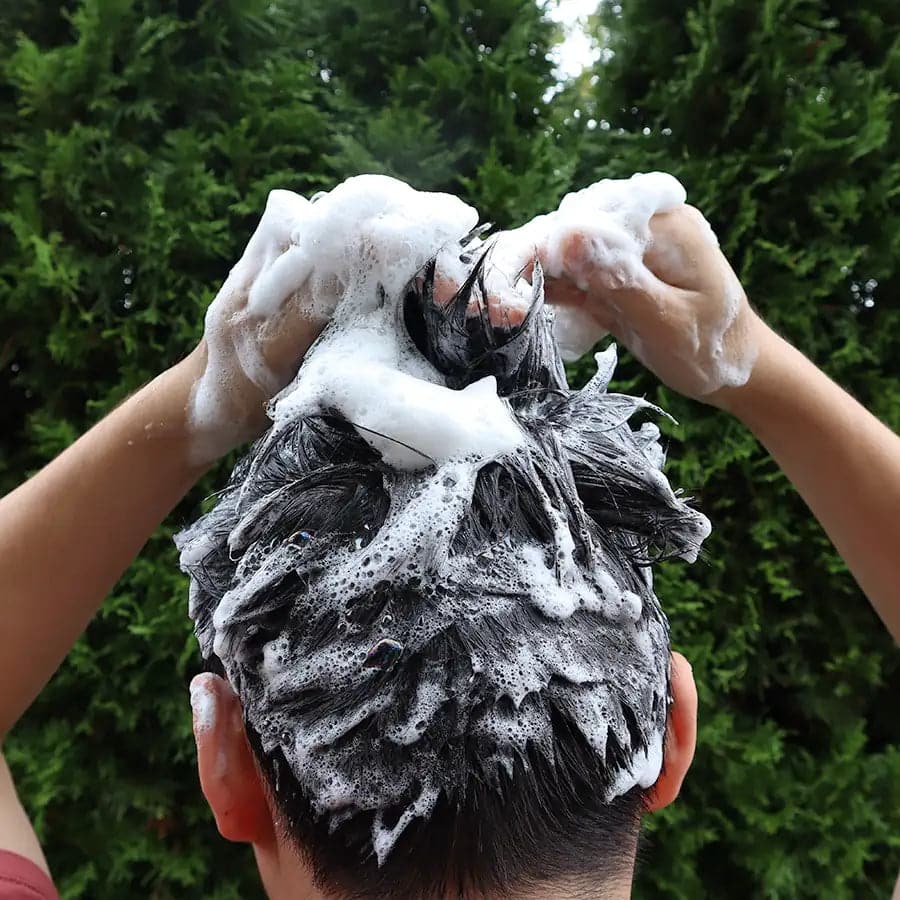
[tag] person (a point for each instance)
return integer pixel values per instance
(113, 486)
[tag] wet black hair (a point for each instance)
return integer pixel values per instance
(433, 730)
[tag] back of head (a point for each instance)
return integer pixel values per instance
(454, 673)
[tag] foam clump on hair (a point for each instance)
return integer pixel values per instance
(439, 552)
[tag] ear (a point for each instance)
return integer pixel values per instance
(230, 780)
(681, 735)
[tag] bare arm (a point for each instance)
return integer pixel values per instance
(842, 460)
(65, 538)
(69, 533)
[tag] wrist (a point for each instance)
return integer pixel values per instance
(752, 401)
(219, 414)
(161, 409)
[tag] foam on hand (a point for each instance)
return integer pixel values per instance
(610, 220)
(233, 335)
(438, 547)
(363, 372)
(335, 257)
(613, 218)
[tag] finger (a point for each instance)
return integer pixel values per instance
(508, 296)
(279, 281)
(284, 213)
(284, 216)
(563, 292)
(281, 223)
(682, 249)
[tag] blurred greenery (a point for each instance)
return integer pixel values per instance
(139, 140)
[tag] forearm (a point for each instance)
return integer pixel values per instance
(68, 534)
(842, 460)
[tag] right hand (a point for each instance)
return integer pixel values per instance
(686, 318)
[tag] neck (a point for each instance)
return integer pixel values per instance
(286, 876)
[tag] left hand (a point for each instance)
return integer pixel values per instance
(257, 331)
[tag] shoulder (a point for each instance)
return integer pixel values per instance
(22, 879)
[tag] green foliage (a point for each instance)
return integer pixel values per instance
(140, 138)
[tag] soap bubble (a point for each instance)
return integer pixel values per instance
(384, 654)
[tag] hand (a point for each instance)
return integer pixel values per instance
(256, 332)
(685, 316)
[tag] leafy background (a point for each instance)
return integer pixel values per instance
(138, 140)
